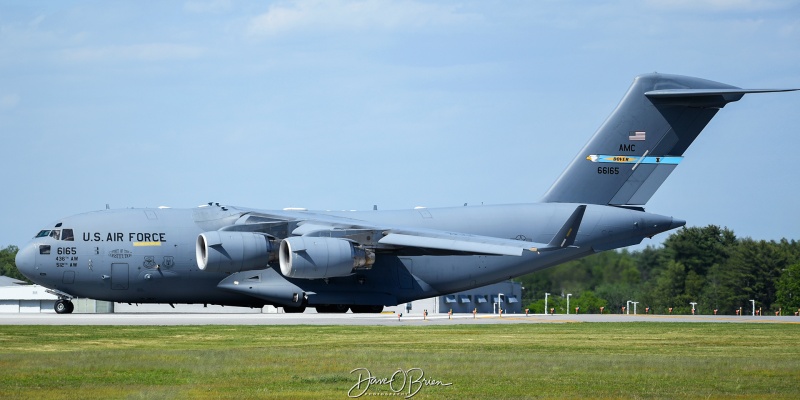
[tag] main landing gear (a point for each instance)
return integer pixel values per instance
(64, 307)
(294, 310)
(332, 308)
(366, 309)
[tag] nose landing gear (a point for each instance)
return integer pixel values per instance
(64, 307)
(64, 303)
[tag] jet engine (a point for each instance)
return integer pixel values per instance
(230, 251)
(322, 257)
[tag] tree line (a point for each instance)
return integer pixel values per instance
(708, 265)
(8, 266)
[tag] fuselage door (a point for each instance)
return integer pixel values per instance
(119, 276)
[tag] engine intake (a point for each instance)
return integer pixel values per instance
(322, 257)
(231, 251)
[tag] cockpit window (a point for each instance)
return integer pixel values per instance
(57, 234)
(44, 249)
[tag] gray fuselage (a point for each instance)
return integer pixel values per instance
(148, 255)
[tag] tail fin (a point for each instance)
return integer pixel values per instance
(643, 140)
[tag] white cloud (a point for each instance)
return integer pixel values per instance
(356, 15)
(720, 5)
(208, 6)
(36, 22)
(790, 29)
(140, 52)
(9, 101)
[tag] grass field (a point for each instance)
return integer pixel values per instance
(583, 360)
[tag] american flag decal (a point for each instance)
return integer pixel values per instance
(637, 135)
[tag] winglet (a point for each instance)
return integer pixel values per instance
(566, 235)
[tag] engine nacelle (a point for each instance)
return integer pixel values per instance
(321, 257)
(230, 251)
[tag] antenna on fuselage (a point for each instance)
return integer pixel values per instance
(107, 207)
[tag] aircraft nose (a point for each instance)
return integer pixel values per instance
(26, 260)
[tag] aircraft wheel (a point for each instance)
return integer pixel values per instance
(63, 307)
(332, 308)
(366, 309)
(294, 310)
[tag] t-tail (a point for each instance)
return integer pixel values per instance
(643, 140)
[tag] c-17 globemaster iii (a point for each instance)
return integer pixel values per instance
(363, 261)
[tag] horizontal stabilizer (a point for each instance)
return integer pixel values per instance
(709, 92)
(703, 97)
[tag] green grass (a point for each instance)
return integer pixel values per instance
(584, 360)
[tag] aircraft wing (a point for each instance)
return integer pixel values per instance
(461, 242)
(424, 241)
(458, 243)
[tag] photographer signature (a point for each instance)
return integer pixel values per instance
(409, 381)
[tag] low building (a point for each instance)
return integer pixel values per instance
(483, 300)
(18, 297)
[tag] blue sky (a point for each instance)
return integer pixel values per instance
(345, 104)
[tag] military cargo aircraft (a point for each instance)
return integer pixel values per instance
(363, 261)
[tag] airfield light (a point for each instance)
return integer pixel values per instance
(545, 302)
(499, 304)
(568, 294)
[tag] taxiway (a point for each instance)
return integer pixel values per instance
(157, 319)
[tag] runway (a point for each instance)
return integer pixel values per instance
(164, 319)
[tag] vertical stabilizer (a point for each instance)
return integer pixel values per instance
(643, 140)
